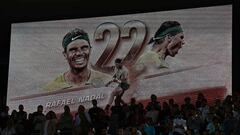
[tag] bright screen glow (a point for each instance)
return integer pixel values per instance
(201, 64)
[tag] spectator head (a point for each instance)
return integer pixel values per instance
(133, 101)
(51, 115)
(94, 102)
(81, 108)
(171, 101)
(40, 109)
(48, 116)
(21, 107)
(228, 100)
(153, 98)
(187, 100)
(66, 109)
(14, 114)
(140, 106)
(30, 116)
(200, 96)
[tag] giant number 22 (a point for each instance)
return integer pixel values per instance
(113, 42)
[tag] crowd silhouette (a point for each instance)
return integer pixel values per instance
(166, 118)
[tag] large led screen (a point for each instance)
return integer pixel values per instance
(171, 54)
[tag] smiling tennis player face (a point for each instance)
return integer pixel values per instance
(77, 54)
